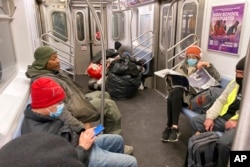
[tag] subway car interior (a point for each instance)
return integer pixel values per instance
(157, 33)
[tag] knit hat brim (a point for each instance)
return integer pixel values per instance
(194, 50)
(42, 56)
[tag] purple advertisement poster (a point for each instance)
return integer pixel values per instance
(225, 28)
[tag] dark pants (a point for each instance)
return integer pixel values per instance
(174, 106)
(226, 140)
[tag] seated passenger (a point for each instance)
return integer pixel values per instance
(223, 115)
(43, 116)
(82, 106)
(178, 96)
(123, 50)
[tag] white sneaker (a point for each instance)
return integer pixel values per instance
(141, 87)
(128, 150)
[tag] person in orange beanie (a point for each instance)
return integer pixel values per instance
(178, 96)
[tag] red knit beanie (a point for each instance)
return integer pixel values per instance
(195, 50)
(45, 92)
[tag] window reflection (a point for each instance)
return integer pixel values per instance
(97, 31)
(166, 35)
(145, 20)
(117, 26)
(7, 56)
(80, 26)
(188, 22)
(59, 23)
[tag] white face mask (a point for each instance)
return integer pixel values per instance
(58, 112)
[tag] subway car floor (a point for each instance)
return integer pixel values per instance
(143, 120)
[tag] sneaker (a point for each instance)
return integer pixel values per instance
(174, 135)
(165, 134)
(128, 150)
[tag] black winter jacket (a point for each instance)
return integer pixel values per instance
(37, 123)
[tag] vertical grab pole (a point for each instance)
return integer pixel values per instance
(103, 59)
(242, 137)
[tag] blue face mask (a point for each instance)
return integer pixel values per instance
(58, 112)
(192, 62)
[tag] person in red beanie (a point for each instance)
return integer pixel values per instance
(43, 115)
(81, 105)
(178, 97)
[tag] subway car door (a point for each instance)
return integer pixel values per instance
(177, 20)
(87, 37)
(57, 31)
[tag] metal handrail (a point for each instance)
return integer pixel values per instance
(177, 44)
(128, 7)
(49, 35)
(103, 57)
(143, 47)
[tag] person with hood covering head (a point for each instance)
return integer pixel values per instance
(123, 50)
(82, 106)
(178, 97)
(223, 115)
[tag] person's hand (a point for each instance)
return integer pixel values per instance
(87, 138)
(231, 124)
(209, 124)
(201, 64)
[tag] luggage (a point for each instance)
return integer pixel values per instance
(202, 149)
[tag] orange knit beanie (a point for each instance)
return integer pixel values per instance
(194, 50)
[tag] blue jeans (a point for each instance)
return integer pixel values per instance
(107, 151)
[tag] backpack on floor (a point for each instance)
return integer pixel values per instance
(202, 149)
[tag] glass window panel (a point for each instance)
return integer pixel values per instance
(166, 25)
(188, 23)
(97, 31)
(115, 33)
(80, 26)
(145, 22)
(117, 26)
(59, 23)
(7, 54)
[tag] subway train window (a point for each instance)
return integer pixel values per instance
(188, 22)
(80, 26)
(7, 56)
(145, 20)
(166, 25)
(59, 23)
(117, 26)
(97, 31)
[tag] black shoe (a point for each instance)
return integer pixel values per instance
(165, 134)
(174, 135)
